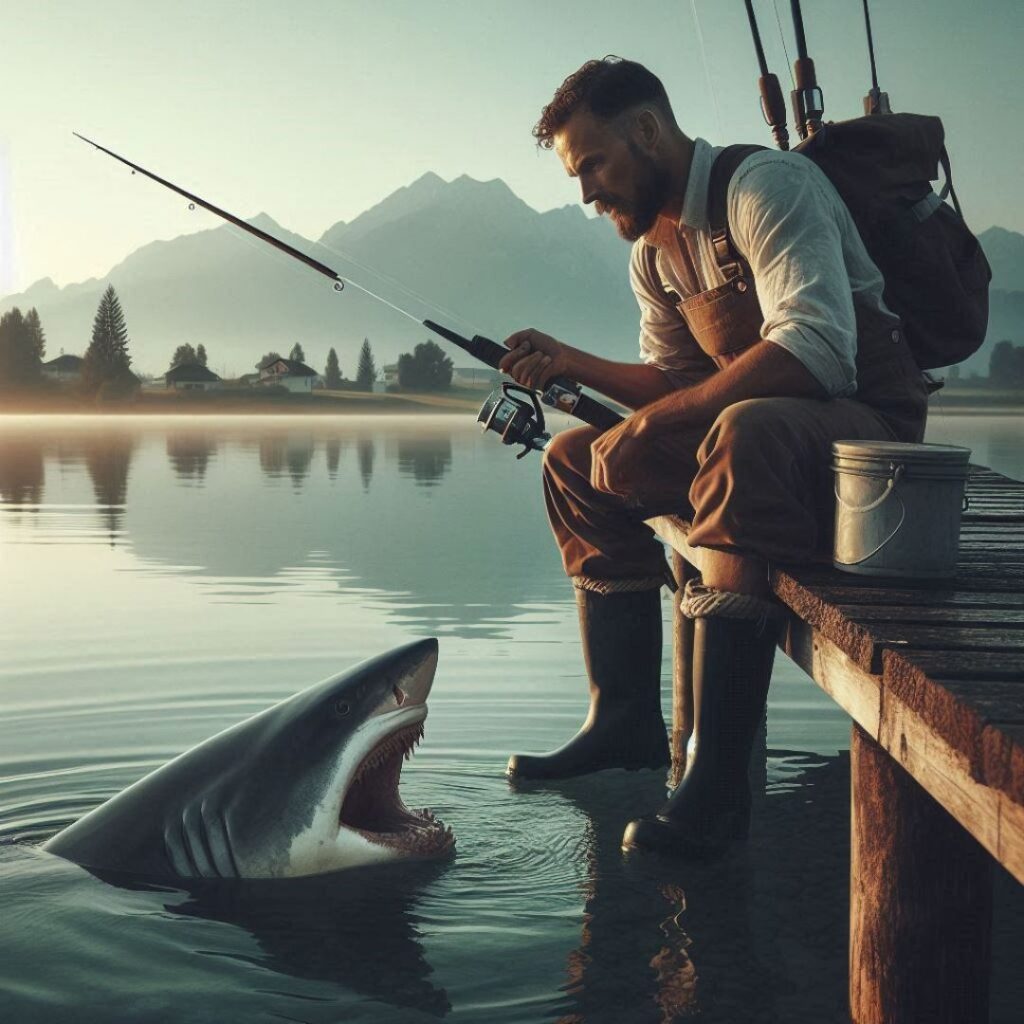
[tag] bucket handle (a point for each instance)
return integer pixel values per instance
(895, 474)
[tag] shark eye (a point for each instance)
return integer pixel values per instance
(342, 708)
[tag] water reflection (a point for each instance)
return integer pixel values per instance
(664, 941)
(21, 470)
(359, 930)
(426, 459)
(431, 546)
(189, 454)
(108, 458)
(333, 450)
(287, 453)
(367, 453)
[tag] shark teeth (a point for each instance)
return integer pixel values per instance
(403, 742)
(373, 807)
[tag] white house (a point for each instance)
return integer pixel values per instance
(287, 373)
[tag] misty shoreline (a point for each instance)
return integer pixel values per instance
(172, 404)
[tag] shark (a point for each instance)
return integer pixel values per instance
(305, 787)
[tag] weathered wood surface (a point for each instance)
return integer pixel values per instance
(924, 959)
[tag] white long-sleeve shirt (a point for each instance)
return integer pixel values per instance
(809, 265)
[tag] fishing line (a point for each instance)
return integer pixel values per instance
(394, 283)
(785, 48)
(707, 69)
(344, 282)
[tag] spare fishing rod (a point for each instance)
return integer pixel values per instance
(808, 99)
(504, 412)
(876, 101)
(773, 106)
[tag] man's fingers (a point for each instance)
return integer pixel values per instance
(532, 371)
(519, 346)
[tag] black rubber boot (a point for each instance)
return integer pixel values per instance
(710, 808)
(624, 729)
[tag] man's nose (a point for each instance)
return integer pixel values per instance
(588, 190)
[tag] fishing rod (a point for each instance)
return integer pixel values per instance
(513, 410)
(876, 101)
(808, 99)
(773, 106)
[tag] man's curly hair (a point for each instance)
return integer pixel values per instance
(604, 87)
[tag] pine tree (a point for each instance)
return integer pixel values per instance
(184, 354)
(36, 330)
(332, 372)
(201, 354)
(107, 359)
(19, 359)
(297, 354)
(366, 374)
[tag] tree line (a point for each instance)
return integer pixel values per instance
(1006, 365)
(366, 372)
(106, 365)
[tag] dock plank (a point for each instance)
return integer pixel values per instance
(934, 615)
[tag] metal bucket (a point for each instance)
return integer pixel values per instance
(898, 508)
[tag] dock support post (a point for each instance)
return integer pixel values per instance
(682, 672)
(920, 901)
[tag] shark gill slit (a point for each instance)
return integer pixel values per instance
(173, 851)
(213, 841)
(227, 844)
(203, 841)
(187, 848)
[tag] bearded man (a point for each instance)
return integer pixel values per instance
(763, 339)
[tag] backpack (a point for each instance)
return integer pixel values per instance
(936, 274)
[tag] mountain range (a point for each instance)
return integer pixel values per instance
(468, 254)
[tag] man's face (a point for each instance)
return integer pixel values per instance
(614, 171)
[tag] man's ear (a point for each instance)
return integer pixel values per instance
(647, 129)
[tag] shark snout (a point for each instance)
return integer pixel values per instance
(416, 675)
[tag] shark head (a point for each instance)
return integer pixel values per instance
(307, 786)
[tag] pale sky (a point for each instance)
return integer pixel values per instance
(313, 110)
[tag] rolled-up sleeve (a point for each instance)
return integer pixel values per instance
(782, 219)
(665, 339)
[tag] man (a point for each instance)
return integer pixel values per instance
(754, 362)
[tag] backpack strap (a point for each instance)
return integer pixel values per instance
(730, 262)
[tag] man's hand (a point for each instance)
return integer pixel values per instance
(534, 358)
(615, 455)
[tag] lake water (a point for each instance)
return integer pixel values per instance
(164, 579)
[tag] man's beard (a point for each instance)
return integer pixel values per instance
(651, 192)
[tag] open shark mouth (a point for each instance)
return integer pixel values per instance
(373, 808)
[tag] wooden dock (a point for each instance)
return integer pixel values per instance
(932, 675)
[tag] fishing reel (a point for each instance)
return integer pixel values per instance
(517, 421)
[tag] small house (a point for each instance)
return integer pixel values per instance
(191, 377)
(287, 373)
(64, 368)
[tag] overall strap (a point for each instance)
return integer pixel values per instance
(730, 262)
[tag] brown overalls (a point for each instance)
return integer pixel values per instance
(756, 481)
